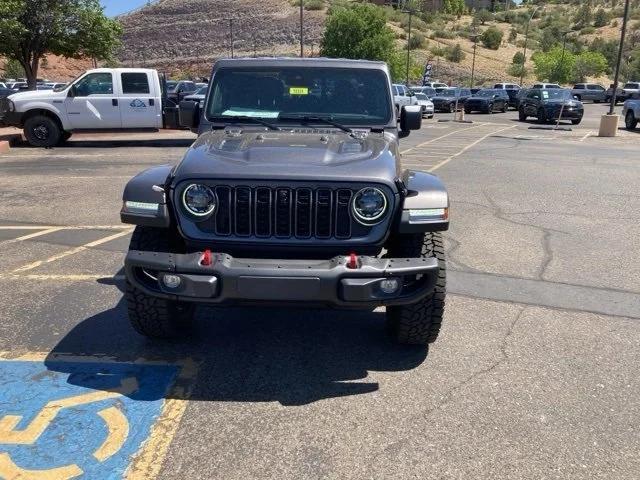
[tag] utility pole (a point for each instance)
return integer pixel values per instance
(473, 63)
(410, 11)
(564, 47)
(231, 31)
(526, 37)
(616, 79)
(301, 28)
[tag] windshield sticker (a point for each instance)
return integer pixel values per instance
(248, 112)
(298, 91)
(545, 94)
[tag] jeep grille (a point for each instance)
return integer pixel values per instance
(283, 212)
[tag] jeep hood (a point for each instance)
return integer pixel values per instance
(301, 154)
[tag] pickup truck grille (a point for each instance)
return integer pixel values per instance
(282, 212)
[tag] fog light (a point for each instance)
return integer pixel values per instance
(171, 281)
(390, 285)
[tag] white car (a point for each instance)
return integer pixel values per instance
(435, 85)
(403, 97)
(426, 105)
(631, 113)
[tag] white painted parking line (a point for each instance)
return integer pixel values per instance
(586, 136)
(73, 251)
(31, 235)
(438, 138)
(65, 227)
(471, 145)
(61, 277)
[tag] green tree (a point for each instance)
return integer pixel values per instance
(491, 38)
(13, 69)
(483, 16)
(589, 64)
(518, 58)
(584, 15)
(554, 65)
(29, 29)
(358, 31)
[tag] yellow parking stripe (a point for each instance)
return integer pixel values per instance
(31, 235)
(118, 431)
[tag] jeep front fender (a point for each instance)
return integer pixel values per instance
(426, 204)
(144, 201)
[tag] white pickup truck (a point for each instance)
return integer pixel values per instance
(99, 99)
(631, 113)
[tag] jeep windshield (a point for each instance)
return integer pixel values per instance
(356, 97)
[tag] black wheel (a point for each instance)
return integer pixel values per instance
(576, 121)
(505, 108)
(419, 323)
(630, 120)
(521, 115)
(452, 107)
(542, 115)
(490, 108)
(467, 111)
(151, 316)
(42, 131)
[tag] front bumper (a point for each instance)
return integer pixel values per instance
(11, 119)
(570, 113)
(308, 282)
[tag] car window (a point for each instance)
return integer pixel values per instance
(95, 84)
(595, 87)
(135, 82)
(579, 87)
(533, 94)
(512, 86)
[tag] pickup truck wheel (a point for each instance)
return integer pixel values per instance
(452, 107)
(419, 323)
(542, 115)
(521, 115)
(42, 131)
(630, 120)
(151, 316)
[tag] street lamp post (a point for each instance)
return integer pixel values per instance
(301, 28)
(616, 79)
(410, 11)
(474, 37)
(526, 37)
(231, 34)
(561, 62)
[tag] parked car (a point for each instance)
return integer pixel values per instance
(447, 98)
(198, 96)
(475, 90)
(631, 90)
(507, 86)
(487, 100)
(3, 85)
(181, 90)
(589, 91)
(631, 113)
(426, 105)
(428, 91)
(621, 95)
(284, 210)
(403, 96)
(5, 92)
(519, 96)
(435, 84)
(551, 104)
(100, 99)
(546, 85)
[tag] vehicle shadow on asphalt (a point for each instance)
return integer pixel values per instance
(292, 356)
(115, 143)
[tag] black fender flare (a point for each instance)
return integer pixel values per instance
(145, 198)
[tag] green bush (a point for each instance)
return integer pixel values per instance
(492, 38)
(455, 53)
(447, 34)
(517, 70)
(513, 35)
(417, 41)
(601, 18)
(314, 4)
(438, 51)
(588, 30)
(518, 58)
(483, 16)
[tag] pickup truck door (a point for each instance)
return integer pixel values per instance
(93, 104)
(139, 100)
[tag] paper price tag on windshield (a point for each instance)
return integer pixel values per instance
(298, 91)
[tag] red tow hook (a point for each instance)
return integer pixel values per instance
(352, 263)
(206, 259)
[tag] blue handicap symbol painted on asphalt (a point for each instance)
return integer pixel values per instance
(77, 419)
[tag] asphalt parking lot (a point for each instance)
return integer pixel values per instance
(534, 375)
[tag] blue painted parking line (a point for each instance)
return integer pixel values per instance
(77, 419)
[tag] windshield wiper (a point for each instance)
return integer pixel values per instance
(246, 118)
(315, 118)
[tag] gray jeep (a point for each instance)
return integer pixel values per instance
(293, 194)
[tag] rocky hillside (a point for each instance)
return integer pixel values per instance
(189, 34)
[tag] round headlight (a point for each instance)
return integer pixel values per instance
(369, 205)
(199, 200)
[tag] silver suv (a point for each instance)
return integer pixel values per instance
(589, 91)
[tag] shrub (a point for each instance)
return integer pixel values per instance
(314, 4)
(444, 34)
(491, 38)
(417, 41)
(438, 51)
(517, 70)
(455, 53)
(588, 30)
(518, 58)
(601, 18)
(513, 35)
(483, 16)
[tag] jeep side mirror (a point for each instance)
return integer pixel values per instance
(410, 118)
(189, 114)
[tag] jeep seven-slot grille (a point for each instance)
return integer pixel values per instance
(283, 212)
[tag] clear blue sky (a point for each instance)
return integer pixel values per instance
(115, 7)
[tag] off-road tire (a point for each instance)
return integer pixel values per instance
(419, 323)
(521, 115)
(452, 107)
(489, 109)
(42, 131)
(151, 316)
(576, 121)
(630, 121)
